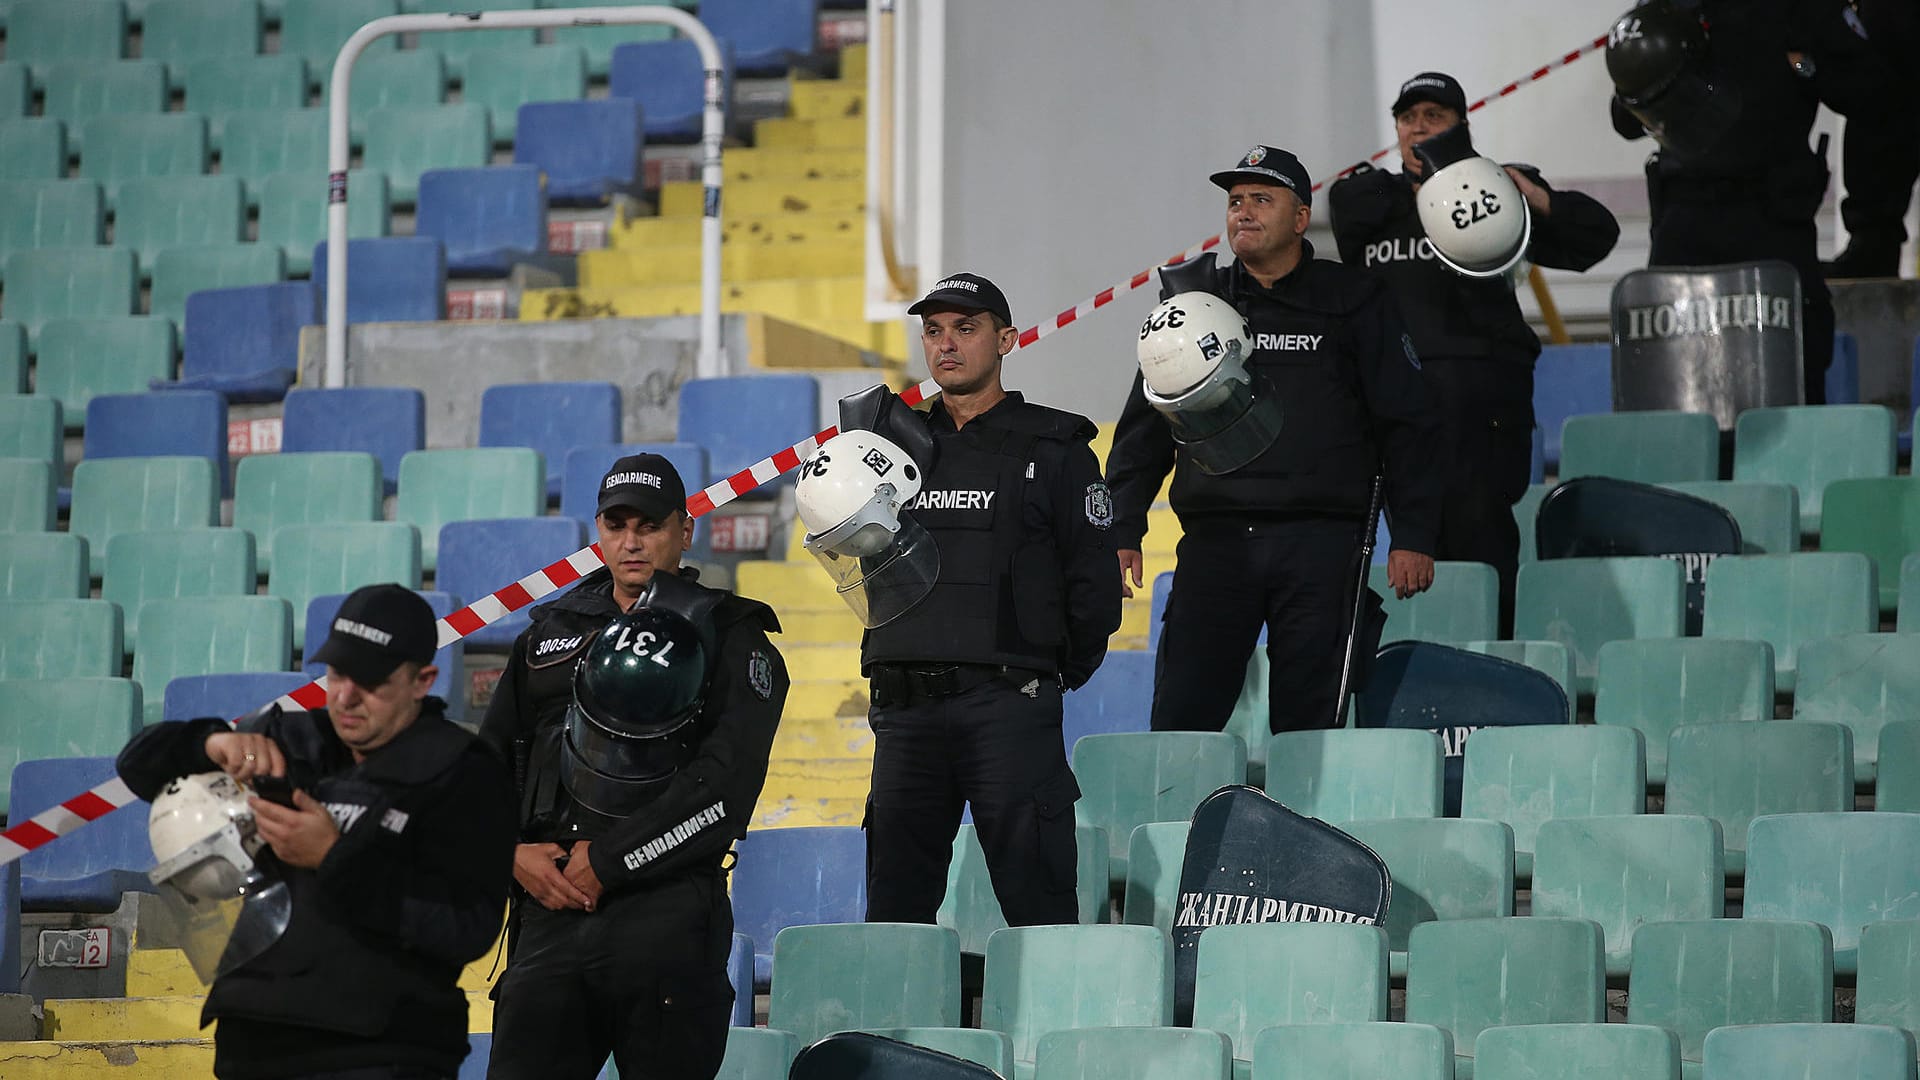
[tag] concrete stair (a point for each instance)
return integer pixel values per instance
(654, 232)
(180, 1059)
(796, 134)
(769, 195)
(679, 264)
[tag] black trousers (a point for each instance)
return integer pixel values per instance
(998, 748)
(1488, 406)
(1880, 147)
(643, 978)
(1297, 578)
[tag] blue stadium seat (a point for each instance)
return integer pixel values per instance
(767, 37)
(667, 79)
(739, 976)
(450, 684)
(191, 423)
(388, 422)
(88, 870)
(796, 877)
(488, 218)
(227, 696)
(244, 343)
(477, 558)
(1117, 698)
(590, 150)
(390, 279)
(553, 418)
(1569, 380)
(10, 966)
(1843, 377)
(743, 418)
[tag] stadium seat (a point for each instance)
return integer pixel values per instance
(42, 565)
(30, 428)
(478, 558)
(138, 494)
(187, 423)
(589, 150)
(259, 142)
(668, 79)
(1877, 518)
(1137, 1053)
(1888, 986)
(16, 90)
(973, 911)
(1768, 514)
(1471, 974)
(1841, 870)
(321, 559)
(293, 213)
(1570, 380)
(489, 219)
(438, 486)
(1810, 446)
(1659, 685)
(59, 639)
(1255, 975)
(271, 490)
(211, 635)
(1796, 1051)
(1353, 1052)
(26, 494)
(69, 283)
(182, 31)
(1896, 785)
(179, 272)
(1585, 603)
(244, 342)
(1692, 977)
(78, 94)
(88, 870)
(1650, 447)
(1115, 699)
(1052, 978)
(457, 47)
(33, 148)
(586, 465)
(1787, 600)
(1908, 613)
(766, 39)
(1130, 779)
(1604, 517)
(743, 418)
(991, 1049)
(1577, 1052)
(1863, 681)
(405, 142)
(1625, 872)
(1156, 857)
(1526, 776)
(555, 418)
(65, 718)
(1462, 605)
(1547, 657)
(387, 421)
(315, 32)
(50, 213)
(505, 79)
(390, 279)
(756, 1053)
(844, 976)
(1524, 513)
(392, 80)
(450, 685)
(116, 354)
(740, 978)
(216, 88)
(1355, 774)
(80, 31)
(228, 696)
(146, 566)
(1442, 868)
(13, 358)
(600, 42)
(797, 877)
(122, 147)
(1843, 373)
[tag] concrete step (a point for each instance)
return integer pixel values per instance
(781, 812)
(795, 134)
(818, 778)
(161, 973)
(744, 229)
(772, 163)
(827, 99)
(833, 306)
(183, 1059)
(820, 627)
(811, 739)
(810, 698)
(800, 585)
(821, 661)
(142, 1019)
(680, 264)
(853, 63)
(687, 199)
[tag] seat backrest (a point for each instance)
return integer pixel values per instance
(553, 418)
(589, 150)
(1472, 974)
(27, 497)
(1156, 857)
(405, 141)
(1254, 975)
(1351, 774)
(80, 359)
(1601, 517)
(1168, 1052)
(396, 80)
(89, 30)
(388, 422)
(1888, 986)
(1659, 685)
(211, 634)
(1692, 977)
(391, 279)
(1790, 1051)
(1768, 514)
(1896, 785)
(600, 41)
(1115, 699)
(739, 418)
(457, 46)
(1547, 657)
(586, 465)
(1810, 446)
(112, 851)
(179, 423)
(180, 272)
(16, 90)
(154, 212)
(80, 93)
(1570, 380)
(1879, 518)
(69, 283)
(1442, 868)
(798, 877)
(1528, 775)
(972, 909)
(65, 718)
(766, 38)
(271, 490)
(217, 87)
(33, 148)
(1353, 1052)
(1734, 773)
(260, 142)
(41, 565)
(118, 147)
(13, 358)
(487, 218)
(1585, 603)
(1624, 872)
(59, 639)
(1842, 870)
(478, 558)
(1786, 600)
(862, 975)
(439, 486)
(1653, 447)
(1051, 978)
(315, 32)
(138, 494)
(240, 332)
(1132, 778)
(50, 213)
(181, 30)
(1462, 605)
(504, 79)
(228, 695)
(30, 427)
(666, 78)
(160, 565)
(1577, 1052)
(338, 557)
(293, 213)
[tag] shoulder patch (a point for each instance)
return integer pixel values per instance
(760, 675)
(1099, 505)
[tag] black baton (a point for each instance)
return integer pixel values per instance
(1359, 603)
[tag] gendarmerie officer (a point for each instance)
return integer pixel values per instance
(1880, 153)
(1276, 541)
(622, 924)
(395, 845)
(1475, 345)
(967, 683)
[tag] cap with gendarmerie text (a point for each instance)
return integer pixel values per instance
(646, 483)
(1435, 86)
(965, 292)
(378, 628)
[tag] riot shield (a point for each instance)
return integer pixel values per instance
(1712, 339)
(856, 1055)
(1598, 516)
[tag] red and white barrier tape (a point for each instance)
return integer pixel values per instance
(51, 824)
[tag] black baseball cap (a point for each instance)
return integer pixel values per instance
(1268, 165)
(1435, 86)
(377, 628)
(647, 483)
(964, 292)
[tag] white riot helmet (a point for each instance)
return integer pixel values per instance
(1193, 354)
(226, 906)
(850, 497)
(1473, 214)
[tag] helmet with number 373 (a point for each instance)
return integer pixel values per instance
(1473, 212)
(852, 496)
(634, 721)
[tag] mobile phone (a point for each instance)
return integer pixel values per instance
(274, 789)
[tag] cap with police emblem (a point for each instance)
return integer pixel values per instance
(964, 292)
(1435, 86)
(378, 628)
(645, 483)
(1268, 165)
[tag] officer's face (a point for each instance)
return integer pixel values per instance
(635, 546)
(369, 717)
(1418, 122)
(964, 349)
(1263, 221)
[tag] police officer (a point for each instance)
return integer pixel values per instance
(621, 924)
(967, 683)
(1276, 540)
(1729, 88)
(1880, 153)
(1475, 345)
(395, 844)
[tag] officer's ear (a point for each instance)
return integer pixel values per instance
(1302, 215)
(1007, 336)
(686, 530)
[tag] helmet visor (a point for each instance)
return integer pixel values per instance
(895, 570)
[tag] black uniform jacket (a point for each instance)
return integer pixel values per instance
(367, 972)
(1377, 227)
(1331, 342)
(708, 803)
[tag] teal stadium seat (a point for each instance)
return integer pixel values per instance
(1693, 977)
(293, 213)
(64, 718)
(850, 976)
(505, 79)
(1810, 446)
(182, 31)
(599, 41)
(758, 1054)
(1549, 657)
(1255, 975)
(42, 565)
(1841, 870)
(179, 272)
(179, 211)
(16, 90)
(1526, 776)
(395, 80)
(1657, 686)
(1896, 785)
(315, 32)
(405, 142)
(1863, 681)
(272, 490)
(1908, 613)
(80, 94)
(1788, 600)
(1768, 514)
(26, 495)
(1053, 978)
(1442, 868)
(81, 359)
(218, 88)
(1585, 603)
(132, 147)
(1626, 872)
(140, 494)
(260, 143)
(1132, 778)
(973, 911)
(1462, 605)
(322, 559)
(438, 486)
(1879, 518)
(13, 358)
(50, 213)
(1473, 974)
(33, 148)
(146, 566)
(1133, 1053)
(1577, 1052)
(69, 283)
(30, 427)
(457, 47)
(1888, 986)
(1651, 447)
(59, 639)
(1803, 1051)
(1352, 774)
(1156, 857)
(1734, 773)
(71, 31)
(1353, 1052)
(210, 635)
